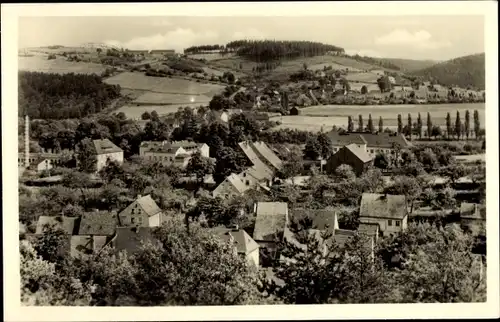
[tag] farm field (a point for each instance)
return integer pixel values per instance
(165, 85)
(135, 112)
(363, 77)
(314, 117)
(153, 98)
(40, 63)
(212, 56)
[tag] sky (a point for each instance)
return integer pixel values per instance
(409, 37)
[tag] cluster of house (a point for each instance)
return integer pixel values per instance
(124, 230)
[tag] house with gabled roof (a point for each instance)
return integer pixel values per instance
(390, 212)
(260, 171)
(232, 185)
(244, 245)
(69, 225)
(270, 223)
(267, 155)
(175, 152)
(351, 155)
(143, 212)
(107, 151)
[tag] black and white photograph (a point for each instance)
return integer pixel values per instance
(251, 159)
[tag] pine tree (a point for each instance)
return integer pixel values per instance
(409, 125)
(477, 124)
(360, 123)
(449, 129)
(380, 125)
(429, 125)
(419, 125)
(400, 124)
(467, 124)
(371, 127)
(350, 124)
(458, 126)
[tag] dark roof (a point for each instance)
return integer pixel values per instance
(322, 219)
(101, 223)
(84, 245)
(66, 224)
(131, 239)
(360, 153)
(243, 242)
(376, 205)
(271, 220)
(341, 236)
(168, 147)
(105, 146)
(384, 140)
(345, 138)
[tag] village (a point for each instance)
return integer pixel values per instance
(251, 173)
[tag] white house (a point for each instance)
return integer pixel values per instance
(107, 151)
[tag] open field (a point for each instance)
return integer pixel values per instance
(314, 117)
(211, 56)
(152, 98)
(135, 112)
(139, 81)
(40, 63)
(363, 77)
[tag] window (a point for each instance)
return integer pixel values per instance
(390, 223)
(132, 211)
(397, 223)
(248, 182)
(371, 150)
(132, 220)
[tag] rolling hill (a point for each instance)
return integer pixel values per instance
(463, 71)
(409, 65)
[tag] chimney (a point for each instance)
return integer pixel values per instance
(27, 142)
(335, 221)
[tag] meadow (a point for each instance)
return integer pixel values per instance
(40, 63)
(314, 117)
(139, 81)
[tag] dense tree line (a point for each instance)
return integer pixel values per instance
(375, 61)
(465, 72)
(270, 50)
(202, 48)
(55, 96)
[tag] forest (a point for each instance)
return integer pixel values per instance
(55, 96)
(271, 50)
(202, 48)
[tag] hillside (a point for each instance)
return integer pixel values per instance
(463, 71)
(409, 65)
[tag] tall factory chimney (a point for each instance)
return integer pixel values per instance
(27, 142)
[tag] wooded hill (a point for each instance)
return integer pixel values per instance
(463, 71)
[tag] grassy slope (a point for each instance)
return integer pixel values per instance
(462, 71)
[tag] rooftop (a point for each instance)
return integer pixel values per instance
(360, 153)
(472, 211)
(243, 242)
(66, 224)
(271, 220)
(101, 223)
(131, 239)
(376, 205)
(105, 146)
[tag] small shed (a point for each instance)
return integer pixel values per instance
(294, 111)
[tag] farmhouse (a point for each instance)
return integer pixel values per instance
(373, 143)
(107, 151)
(243, 244)
(260, 171)
(270, 223)
(388, 211)
(353, 155)
(232, 185)
(143, 212)
(176, 152)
